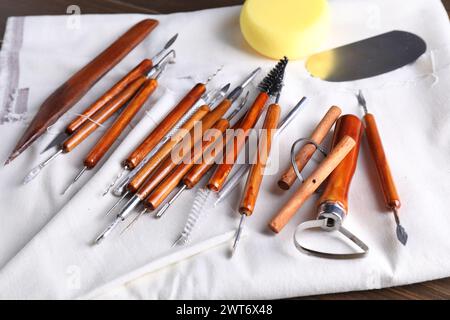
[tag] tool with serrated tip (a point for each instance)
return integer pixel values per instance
(387, 183)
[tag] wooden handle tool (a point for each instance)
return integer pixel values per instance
(306, 152)
(387, 183)
(73, 89)
(163, 127)
(311, 184)
(223, 170)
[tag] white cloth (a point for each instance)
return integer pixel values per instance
(46, 238)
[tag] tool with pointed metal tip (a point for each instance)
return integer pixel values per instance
(231, 183)
(110, 136)
(100, 103)
(391, 197)
(198, 209)
(185, 186)
(256, 174)
(208, 99)
(136, 218)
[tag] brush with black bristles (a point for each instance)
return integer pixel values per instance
(269, 87)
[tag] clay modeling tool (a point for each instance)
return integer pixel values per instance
(181, 112)
(105, 143)
(387, 183)
(145, 169)
(256, 174)
(332, 206)
(311, 184)
(70, 92)
(97, 119)
(142, 191)
(367, 58)
(140, 70)
(306, 152)
(233, 181)
(271, 81)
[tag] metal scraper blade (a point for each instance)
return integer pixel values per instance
(367, 58)
(57, 141)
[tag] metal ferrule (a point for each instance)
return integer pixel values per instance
(335, 214)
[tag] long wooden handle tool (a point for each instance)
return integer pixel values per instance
(73, 89)
(387, 183)
(306, 152)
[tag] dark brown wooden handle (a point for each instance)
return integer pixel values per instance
(211, 137)
(199, 170)
(306, 152)
(164, 126)
(102, 115)
(122, 121)
(338, 183)
(387, 183)
(138, 71)
(256, 174)
(223, 170)
(69, 93)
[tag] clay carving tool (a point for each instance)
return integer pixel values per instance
(332, 206)
(311, 184)
(306, 152)
(140, 173)
(146, 168)
(367, 58)
(76, 87)
(256, 174)
(181, 112)
(97, 119)
(105, 143)
(391, 197)
(233, 181)
(140, 70)
(271, 81)
(142, 190)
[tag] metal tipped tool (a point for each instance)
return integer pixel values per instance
(391, 196)
(134, 220)
(166, 46)
(115, 180)
(78, 176)
(163, 209)
(238, 235)
(36, 170)
(214, 75)
(117, 203)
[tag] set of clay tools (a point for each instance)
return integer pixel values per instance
(209, 128)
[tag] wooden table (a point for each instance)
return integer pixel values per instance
(439, 289)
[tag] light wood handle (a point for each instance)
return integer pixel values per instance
(338, 184)
(211, 137)
(139, 71)
(306, 152)
(223, 170)
(311, 184)
(256, 174)
(164, 126)
(102, 115)
(122, 121)
(387, 183)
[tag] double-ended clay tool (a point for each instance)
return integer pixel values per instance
(391, 197)
(140, 70)
(107, 140)
(184, 110)
(146, 181)
(71, 91)
(100, 116)
(332, 207)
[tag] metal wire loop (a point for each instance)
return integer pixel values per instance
(293, 155)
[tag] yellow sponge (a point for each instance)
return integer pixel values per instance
(292, 28)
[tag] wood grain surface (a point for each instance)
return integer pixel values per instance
(438, 289)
